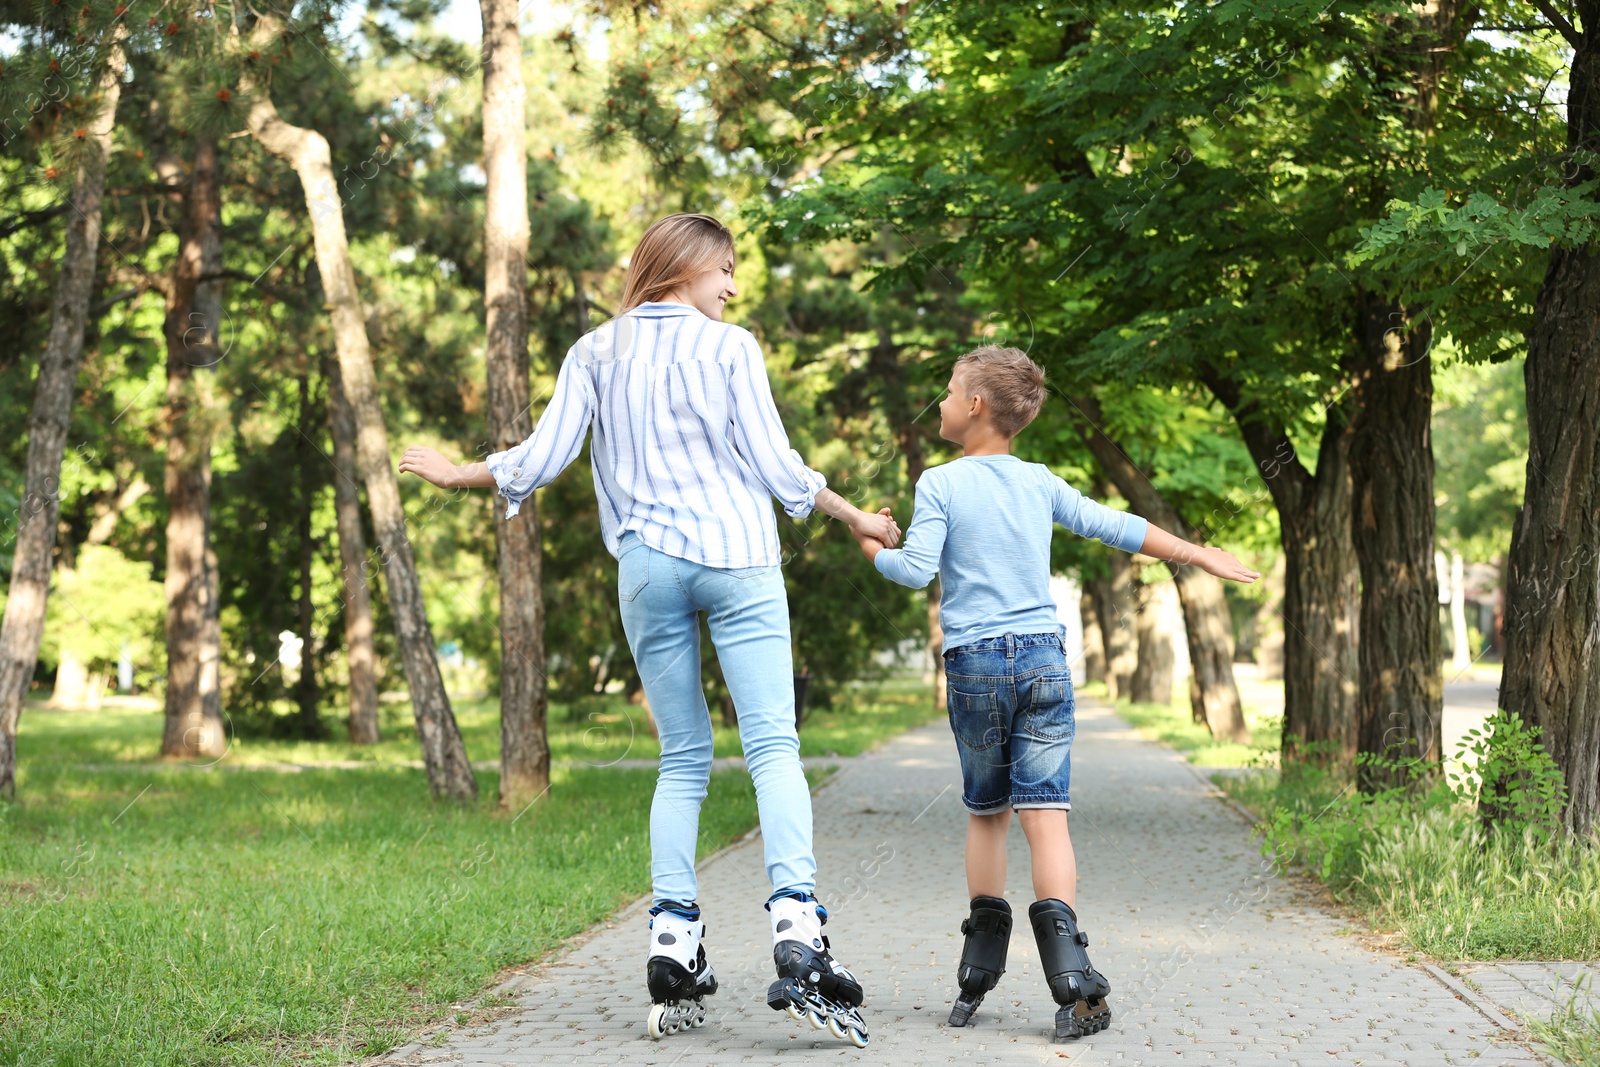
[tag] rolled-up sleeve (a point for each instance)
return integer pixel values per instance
(759, 436)
(1089, 518)
(554, 443)
(917, 563)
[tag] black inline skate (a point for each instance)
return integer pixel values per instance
(1078, 988)
(812, 985)
(983, 956)
(677, 971)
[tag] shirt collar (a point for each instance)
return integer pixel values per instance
(658, 309)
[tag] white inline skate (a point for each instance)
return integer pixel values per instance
(677, 971)
(811, 984)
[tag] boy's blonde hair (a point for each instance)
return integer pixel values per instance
(1009, 382)
(674, 250)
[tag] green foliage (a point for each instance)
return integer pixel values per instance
(1480, 444)
(103, 603)
(1572, 1033)
(1422, 857)
(1555, 215)
(1519, 787)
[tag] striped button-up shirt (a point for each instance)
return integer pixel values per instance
(688, 449)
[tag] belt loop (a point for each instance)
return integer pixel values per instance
(1011, 646)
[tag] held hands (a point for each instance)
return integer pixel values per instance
(875, 532)
(430, 465)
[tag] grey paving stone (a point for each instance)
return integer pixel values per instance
(1212, 957)
(1536, 990)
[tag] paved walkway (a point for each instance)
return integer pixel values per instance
(1211, 957)
(1534, 990)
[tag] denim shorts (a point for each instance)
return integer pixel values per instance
(1011, 709)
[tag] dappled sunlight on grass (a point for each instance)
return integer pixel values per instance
(159, 915)
(1174, 725)
(595, 731)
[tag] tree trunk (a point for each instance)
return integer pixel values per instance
(1094, 646)
(443, 754)
(1321, 592)
(524, 748)
(1552, 624)
(359, 653)
(48, 421)
(1391, 465)
(72, 681)
(305, 683)
(193, 727)
(1207, 623)
(1152, 680)
(1115, 605)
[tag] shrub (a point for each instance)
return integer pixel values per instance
(1467, 865)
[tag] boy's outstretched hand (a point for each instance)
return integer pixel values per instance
(1225, 565)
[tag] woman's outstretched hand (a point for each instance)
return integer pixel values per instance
(430, 465)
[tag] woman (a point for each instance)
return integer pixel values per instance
(688, 451)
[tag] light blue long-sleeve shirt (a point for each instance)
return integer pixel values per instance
(983, 524)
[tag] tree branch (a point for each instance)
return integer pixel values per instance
(1559, 21)
(31, 218)
(114, 299)
(1134, 485)
(1269, 444)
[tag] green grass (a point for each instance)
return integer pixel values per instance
(160, 916)
(1173, 725)
(1426, 869)
(1572, 1033)
(1422, 867)
(595, 731)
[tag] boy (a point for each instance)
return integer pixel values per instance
(983, 524)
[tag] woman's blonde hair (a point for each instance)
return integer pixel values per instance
(674, 250)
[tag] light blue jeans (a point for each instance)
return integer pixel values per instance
(748, 609)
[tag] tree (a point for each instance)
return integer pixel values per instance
(524, 750)
(1213, 694)
(194, 726)
(444, 756)
(352, 557)
(1542, 199)
(1552, 674)
(52, 406)
(1170, 200)
(1322, 591)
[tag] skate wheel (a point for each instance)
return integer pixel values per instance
(817, 1019)
(795, 1013)
(858, 1038)
(837, 1028)
(653, 1022)
(698, 1019)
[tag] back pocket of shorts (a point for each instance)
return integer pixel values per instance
(1050, 706)
(975, 714)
